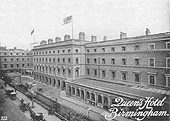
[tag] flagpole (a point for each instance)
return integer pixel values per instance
(72, 27)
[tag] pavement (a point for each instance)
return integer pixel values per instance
(37, 108)
(9, 111)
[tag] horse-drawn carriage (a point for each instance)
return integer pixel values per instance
(24, 106)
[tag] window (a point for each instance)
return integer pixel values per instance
(5, 65)
(78, 92)
(11, 53)
(112, 49)
(17, 53)
(87, 95)
(152, 79)
(28, 64)
(168, 45)
(58, 51)
(11, 59)
(68, 50)
(63, 51)
(95, 50)
(63, 60)
(103, 49)
(17, 65)
(53, 51)
(49, 52)
(123, 61)
(113, 74)
(5, 59)
(103, 73)
(151, 46)
(22, 65)
(69, 60)
(95, 72)
(46, 52)
(88, 60)
(28, 59)
(69, 72)
(136, 47)
(137, 77)
(123, 48)
(58, 60)
(73, 91)
(50, 60)
(11, 65)
(4, 53)
(124, 76)
(46, 59)
(53, 60)
(22, 53)
(77, 61)
(88, 71)
(151, 62)
(113, 61)
(137, 62)
(22, 59)
(88, 51)
(95, 60)
(167, 62)
(103, 61)
(168, 81)
(77, 51)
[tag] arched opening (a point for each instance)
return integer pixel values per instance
(73, 91)
(46, 80)
(105, 103)
(77, 72)
(99, 99)
(87, 95)
(82, 94)
(54, 83)
(58, 85)
(78, 92)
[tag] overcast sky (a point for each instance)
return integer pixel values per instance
(94, 17)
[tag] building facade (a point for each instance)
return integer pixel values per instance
(98, 72)
(132, 68)
(16, 60)
(55, 62)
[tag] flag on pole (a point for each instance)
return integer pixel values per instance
(32, 31)
(67, 20)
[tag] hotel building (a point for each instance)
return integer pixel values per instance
(97, 72)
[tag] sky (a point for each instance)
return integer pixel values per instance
(94, 17)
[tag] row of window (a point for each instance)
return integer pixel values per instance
(151, 61)
(151, 46)
(53, 52)
(59, 71)
(137, 76)
(50, 60)
(16, 54)
(17, 65)
(17, 59)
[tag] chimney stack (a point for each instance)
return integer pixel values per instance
(105, 38)
(81, 36)
(66, 37)
(57, 39)
(123, 35)
(15, 48)
(43, 42)
(50, 41)
(147, 32)
(93, 38)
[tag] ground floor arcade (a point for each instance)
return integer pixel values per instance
(50, 80)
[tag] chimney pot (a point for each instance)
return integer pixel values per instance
(66, 37)
(57, 39)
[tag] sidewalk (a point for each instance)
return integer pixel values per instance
(37, 108)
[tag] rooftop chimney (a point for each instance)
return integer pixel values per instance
(57, 39)
(50, 41)
(123, 35)
(93, 38)
(105, 38)
(81, 36)
(43, 42)
(66, 37)
(15, 47)
(147, 32)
